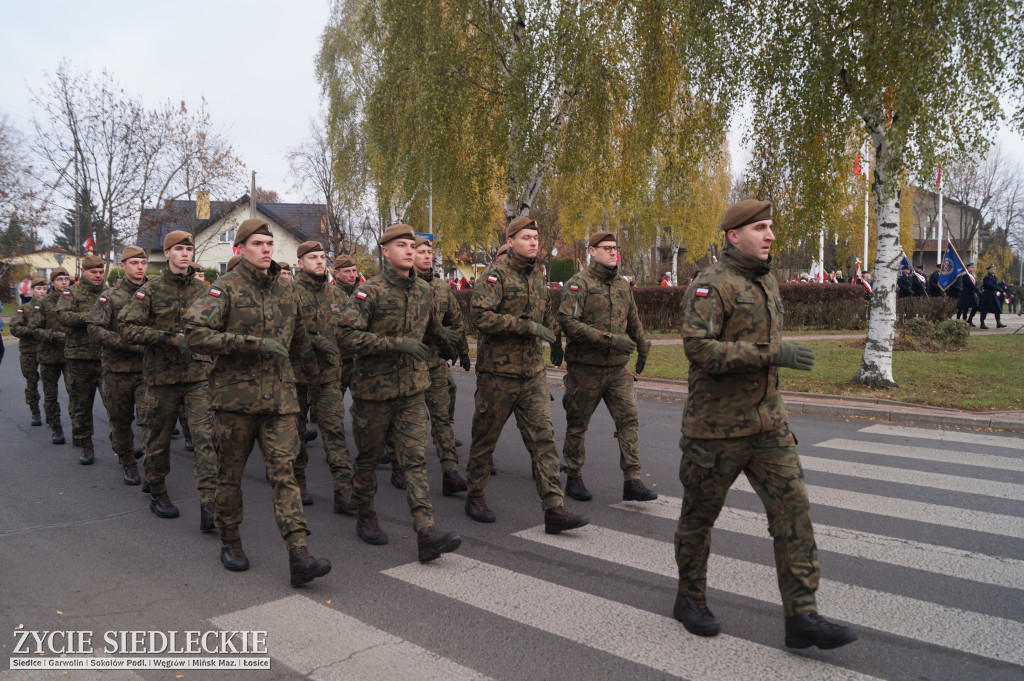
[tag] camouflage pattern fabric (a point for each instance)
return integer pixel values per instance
(452, 391)
(330, 419)
(770, 462)
(28, 346)
(30, 370)
(164, 403)
(585, 386)
(73, 308)
(123, 393)
(104, 329)
(82, 381)
(51, 373)
(45, 327)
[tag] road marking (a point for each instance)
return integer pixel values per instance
(947, 436)
(1003, 463)
(942, 560)
(904, 476)
(636, 635)
(970, 632)
(327, 645)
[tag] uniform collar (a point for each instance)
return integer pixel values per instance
(347, 288)
(130, 286)
(90, 287)
(395, 278)
(179, 280)
(425, 276)
(311, 281)
(257, 277)
(603, 273)
(519, 263)
(749, 267)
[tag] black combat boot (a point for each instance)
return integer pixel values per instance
(88, 456)
(369, 531)
(206, 517)
(232, 555)
(695, 615)
(58, 435)
(458, 442)
(811, 629)
(398, 478)
(432, 543)
(75, 441)
(558, 519)
(343, 502)
(37, 420)
(634, 490)
(139, 453)
(452, 483)
(310, 435)
(145, 488)
(575, 488)
(162, 506)
(476, 508)
(189, 446)
(304, 495)
(385, 460)
(131, 474)
(304, 567)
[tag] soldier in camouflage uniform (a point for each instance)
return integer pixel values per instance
(81, 354)
(124, 388)
(45, 326)
(249, 319)
(512, 311)
(385, 325)
(346, 274)
(601, 323)
(174, 375)
(320, 303)
(28, 345)
(735, 421)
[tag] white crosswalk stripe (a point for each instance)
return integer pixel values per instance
(1003, 463)
(978, 439)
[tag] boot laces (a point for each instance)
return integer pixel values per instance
(700, 604)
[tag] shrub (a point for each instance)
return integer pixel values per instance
(932, 309)
(211, 274)
(952, 333)
(113, 274)
(919, 327)
(562, 268)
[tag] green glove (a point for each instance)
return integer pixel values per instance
(544, 333)
(411, 346)
(557, 354)
(453, 336)
(641, 362)
(795, 357)
(623, 344)
(464, 361)
(325, 345)
(269, 346)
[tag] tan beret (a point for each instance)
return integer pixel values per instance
(60, 271)
(744, 213)
(233, 262)
(308, 247)
(284, 265)
(520, 223)
(344, 261)
(132, 252)
(421, 240)
(176, 237)
(250, 227)
(502, 250)
(601, 237)
(39, 282)
(398, 231)
(91, 262)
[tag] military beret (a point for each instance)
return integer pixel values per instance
(397, 231)
(502, 250)
(91, 262)
(308, 247)
(196, 266)
(39, 282)
(284, 265)
(132, 252)
(250, 227)
(420, 240)
(60, 271)
(344, 261)
(233, 262)
(520, 223)
(602, 236)
(176, 237)
(744, 213)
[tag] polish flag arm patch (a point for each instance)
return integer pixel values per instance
(574, 287)
(140, 295)
(66, 293)
(361, 295)
(492, 279)
(701, 292)
(215, 292)
(103, 299)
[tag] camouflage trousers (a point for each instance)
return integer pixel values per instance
(497, 398)
(451, 397)
(30, 370)
(123, 393)
(163, 404)
(279, 442)
(50, 374)
(403, 423)
(585, 386)
(83, 379)
(330, 419)
(439, 404)
(771, 464)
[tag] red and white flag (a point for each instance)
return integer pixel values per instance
(89, 244)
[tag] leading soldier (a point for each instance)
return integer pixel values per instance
(45, 326)
(602, 326)
(249, 319)
(735, 421)
(28, 346)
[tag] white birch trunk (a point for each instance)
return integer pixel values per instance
(675, 265)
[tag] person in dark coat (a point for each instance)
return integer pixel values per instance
(992, 295)
(934, 290)
(967, 304)
(905, 284)
(919, 283)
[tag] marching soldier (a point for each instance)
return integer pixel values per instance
(45, 326)
(512, 311)
(602, 326)
(123, 385)
(81, 354)
(175, 377)
(385, 325)
(346, 273)
(735, 421)
(249, 319)
(28, 346)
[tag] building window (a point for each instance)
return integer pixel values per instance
(223, 268)
(228, 237)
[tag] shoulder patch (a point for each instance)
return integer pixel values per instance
(102, 299)
(20, 311)
(35, 307)
(493, 279)
(702, 292)
(215, 292)
(574, 287)
(66, 292)
(140, 295)
(361, 295)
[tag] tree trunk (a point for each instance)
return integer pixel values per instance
(675, 265)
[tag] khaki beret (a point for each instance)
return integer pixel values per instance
(39, 282)
(176, 237)
(233, 262)
(744, 213)
(520, 223)
(196, 266)
(502, 250)
(308, 247)
(91, 262)
(344, 261)
(60, 271)
(133, 252)
(250, 227)
(420, 240)
(284, 265)
(398, 231)
(601, 237)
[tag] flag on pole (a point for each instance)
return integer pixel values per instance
(89, 244)
(952, 268)
(817, 272)
(938, 177)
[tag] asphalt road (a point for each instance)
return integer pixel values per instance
(921, 533)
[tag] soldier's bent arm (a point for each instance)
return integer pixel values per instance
(485, 305)
(20, 327)
(135, 319)
(635, 328)
(453, 319)
(100, 318)
(301, 346)
(570, 311)
(66, 313)
(354, 321)
(703, 318)
(205, 321)
(39, 331)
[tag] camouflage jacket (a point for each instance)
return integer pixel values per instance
(448, 312)
(596, 304)
(319, 302)
(73, 309)
(385, 307)
(118, 356)
(28, 342)
(732, 327)
(155, 317)
(345, 292)
(45, 326)
(230, 319)
(507, 306)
